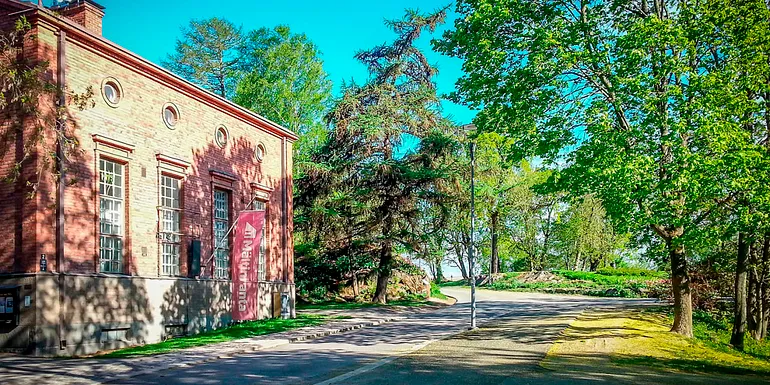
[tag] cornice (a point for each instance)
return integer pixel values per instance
(107, 49)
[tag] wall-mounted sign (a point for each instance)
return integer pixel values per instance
(43, 263)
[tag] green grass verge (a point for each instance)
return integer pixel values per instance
(235, 332)
(710, 350)
(641, 337)
(332, 305)
(458, 283)
(715, 330)
(628, 283)
(435, 292)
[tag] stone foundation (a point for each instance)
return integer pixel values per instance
(70, 314)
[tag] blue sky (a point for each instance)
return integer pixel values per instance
(339, 28)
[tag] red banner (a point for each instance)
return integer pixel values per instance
(248, 235)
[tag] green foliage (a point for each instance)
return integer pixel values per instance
(358, 197)
(336, 305)
(435, 291)
(235, 332)
(613, 283)
(585, 236)
(714, 329)
(644, 106)
(632, 271)
(30, 129)
(284, 80)
(208, 54)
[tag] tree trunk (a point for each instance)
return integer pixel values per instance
(356, 291)
(494, 262)
(741, 304)
(680, 279)
(383, 274)
(752, 318)
(439, 276)
(765, 286)
(594, 265)
(460, 257)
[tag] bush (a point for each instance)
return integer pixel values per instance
(435, 291)
(613, 283)
(632, 271)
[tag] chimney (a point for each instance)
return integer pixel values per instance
(84, 12)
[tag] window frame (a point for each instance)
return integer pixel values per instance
(122, 235)
(116, 86)
(221, 129)
(262, 204)
(221, 263)
(177, 115)
(170, 264)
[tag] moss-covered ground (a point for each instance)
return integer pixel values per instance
(641, 338)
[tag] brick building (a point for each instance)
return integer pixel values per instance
(164, 170)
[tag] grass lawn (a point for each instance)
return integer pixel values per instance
(435, 292)
(235, 332)
(615, 339)
(332, 305)
(715, 332)
(628, 283)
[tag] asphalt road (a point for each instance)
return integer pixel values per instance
(403, 352)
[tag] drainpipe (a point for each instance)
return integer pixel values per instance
(61, 77)
(284, 214)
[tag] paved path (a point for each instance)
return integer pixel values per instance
(23, 370)
(360, 356)
(399, 349)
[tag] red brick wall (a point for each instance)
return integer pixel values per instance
(26, 213)
(86, 15)
(137, 121)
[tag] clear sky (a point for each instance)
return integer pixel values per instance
(340, 28)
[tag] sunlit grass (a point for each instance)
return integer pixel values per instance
(642, 337)
(332, 305)
(235, 332)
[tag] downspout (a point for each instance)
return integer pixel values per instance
(284, 214)
(62, 84)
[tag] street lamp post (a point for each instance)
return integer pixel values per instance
(471, 261)
(471, 264)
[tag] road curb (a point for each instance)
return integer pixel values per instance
(279, 342)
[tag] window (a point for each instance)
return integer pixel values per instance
(260, 205)
(170, 115)
(111, 216)
(259, 152)
(112, 91)
(169, 214)
(221, 135)
(221, 240)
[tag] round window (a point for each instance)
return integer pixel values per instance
(259, 152)
(170, 115)
(221, 136)
(112, 92)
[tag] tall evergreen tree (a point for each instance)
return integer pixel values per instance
(361, 172)
(209, 55)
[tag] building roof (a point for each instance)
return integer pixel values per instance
(108, 49)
